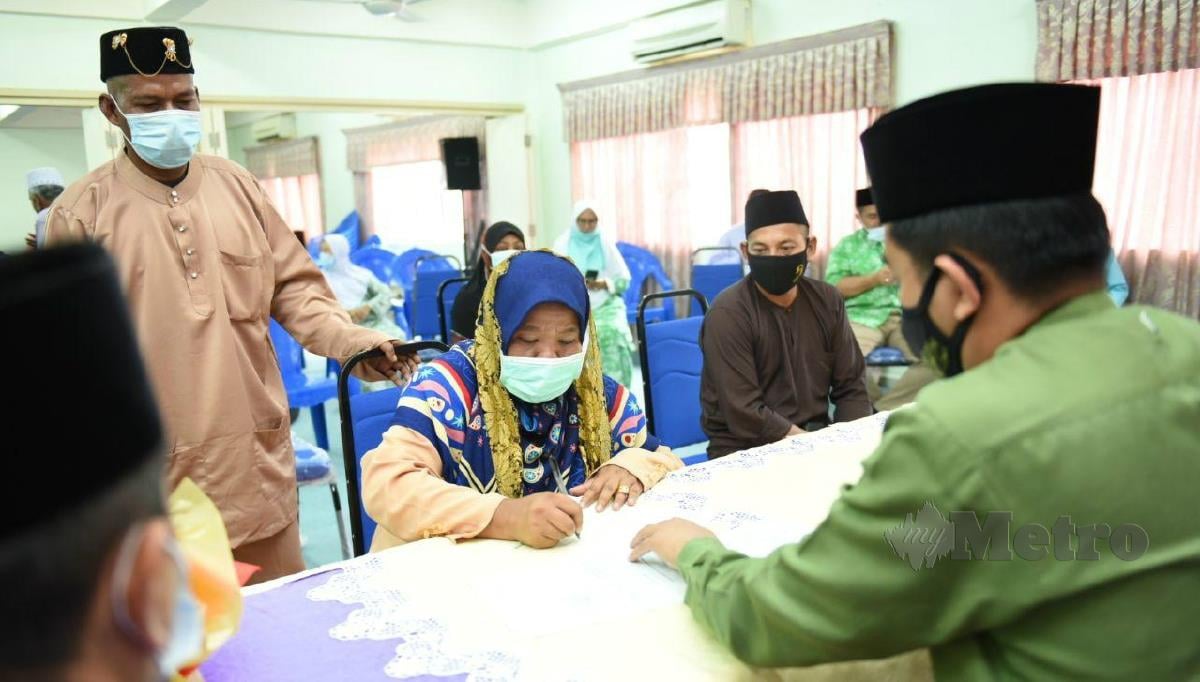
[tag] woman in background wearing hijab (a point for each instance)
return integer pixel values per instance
(500, 242)
(368, 300)
(493, 438)
(595, 254)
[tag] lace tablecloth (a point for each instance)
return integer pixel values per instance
(493, 610)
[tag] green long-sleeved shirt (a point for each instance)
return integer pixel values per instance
(857, 255)
(1094, 413)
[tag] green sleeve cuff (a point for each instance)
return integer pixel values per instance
(695, 552)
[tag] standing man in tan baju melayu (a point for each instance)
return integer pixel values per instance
(205, 261)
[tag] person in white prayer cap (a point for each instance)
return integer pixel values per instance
(45, 184)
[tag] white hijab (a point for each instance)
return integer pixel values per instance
(348, 281)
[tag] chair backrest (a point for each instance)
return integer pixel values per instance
(372, 415)
(364, 419)
(711, 280)
(405, 268)
(379, 261)
(672, 361)
(289, 354)
(643, 266)
(447, 292)
(431, 273)
(351, 229)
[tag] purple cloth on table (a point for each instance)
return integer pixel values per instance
(284, 636)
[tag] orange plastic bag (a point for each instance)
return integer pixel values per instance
(201, 535)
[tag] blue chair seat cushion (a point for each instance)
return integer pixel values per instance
(886, 356)
(312, 463)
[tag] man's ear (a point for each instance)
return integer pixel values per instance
(109, 109)
(812, 248)
(968, 296)
(153, 584)
(745, 248)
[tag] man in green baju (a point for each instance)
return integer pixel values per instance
(1067, 432)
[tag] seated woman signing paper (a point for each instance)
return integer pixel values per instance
(493, 438)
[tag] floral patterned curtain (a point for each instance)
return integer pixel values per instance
(1082, 39)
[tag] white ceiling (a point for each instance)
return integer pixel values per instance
(473, 22)
(499, 23)
(44, 118)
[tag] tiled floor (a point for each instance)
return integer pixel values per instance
(318, 525)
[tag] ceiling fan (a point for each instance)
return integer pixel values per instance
(382, 8)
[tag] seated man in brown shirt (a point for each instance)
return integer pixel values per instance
(777, 346)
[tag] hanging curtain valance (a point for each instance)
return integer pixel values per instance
(407, 141)
(284, 159)
(826, 73)
(1088, 39)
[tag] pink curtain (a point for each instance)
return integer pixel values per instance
(665, 191)
(818, 156)
(1148, 179)
(298, 200)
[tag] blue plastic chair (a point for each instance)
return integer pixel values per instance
(711, 280)
(364, 419)
(447, 292)
(672, 361)
(405, 268)
(424, 317)
(378, 261)
(644, 266)
(373, 240)
(302, 390)
(351, 229)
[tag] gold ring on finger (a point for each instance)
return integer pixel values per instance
(623, 488)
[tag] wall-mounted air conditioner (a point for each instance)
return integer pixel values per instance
(276, 127)
(686, 30)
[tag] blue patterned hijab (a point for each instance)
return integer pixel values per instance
(445, 402)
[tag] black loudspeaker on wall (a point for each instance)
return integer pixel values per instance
(461, 156)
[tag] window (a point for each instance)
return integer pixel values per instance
(1148, 160)
(818, 156)
(298, 200)
(678, 190)
(413, 209)
(666, 191)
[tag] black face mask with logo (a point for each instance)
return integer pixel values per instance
(940, 352)
(778, 274)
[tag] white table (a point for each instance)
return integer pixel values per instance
(491, 610)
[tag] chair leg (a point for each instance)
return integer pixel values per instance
(318, 417)
(341, 523)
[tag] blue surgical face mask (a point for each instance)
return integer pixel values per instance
(502, 255)
(187, 617)
(540, 380)
(164, 139)
(876, 234)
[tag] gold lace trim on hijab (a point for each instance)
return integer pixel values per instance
(500, 413)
